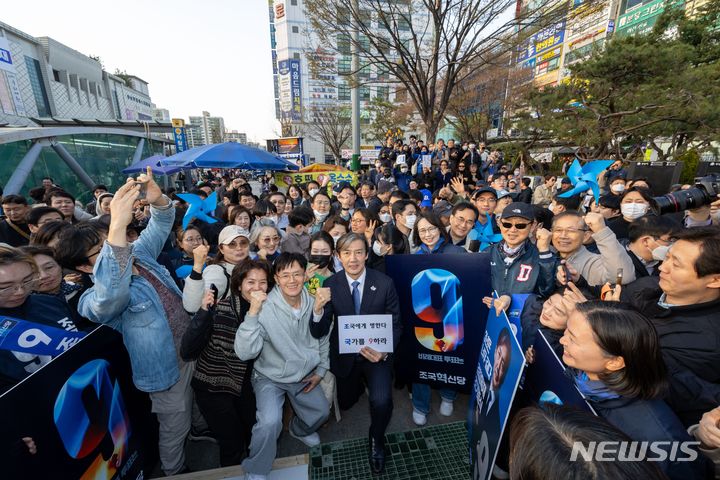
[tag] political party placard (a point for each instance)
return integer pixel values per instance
(499, 369)
(358, 331)
(285, 179)
(83, 415)
(443, 316)
(546, 380)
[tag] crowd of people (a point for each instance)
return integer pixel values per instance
(223, 320)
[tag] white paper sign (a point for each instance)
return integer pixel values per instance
(358, 331)
(400, 160)
(427, 161)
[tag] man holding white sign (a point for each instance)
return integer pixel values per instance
(364, 297)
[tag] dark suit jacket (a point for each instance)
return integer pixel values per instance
(381, 300)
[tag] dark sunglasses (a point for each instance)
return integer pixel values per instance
(519, 226)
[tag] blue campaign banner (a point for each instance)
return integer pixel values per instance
(443, 316)
(497, 377)
(180, 139)
(84, 415)
(34, 338)
(514, 311)
(546, 381)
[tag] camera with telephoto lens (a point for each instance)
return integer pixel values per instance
(705, 191)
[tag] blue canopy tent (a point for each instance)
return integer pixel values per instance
(156, 162)
(228, 155)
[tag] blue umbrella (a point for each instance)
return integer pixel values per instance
(229, 155)
(156, 162)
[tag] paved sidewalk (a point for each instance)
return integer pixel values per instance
(355, 422)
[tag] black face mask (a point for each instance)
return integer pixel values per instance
(321, 261)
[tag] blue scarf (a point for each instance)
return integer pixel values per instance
(425, 250)
(594, 390)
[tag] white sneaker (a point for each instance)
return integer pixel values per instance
(446, 407)
(312, 440)
(254, 476)
(420, 419)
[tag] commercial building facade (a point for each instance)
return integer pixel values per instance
(63, 116)
(308, 78)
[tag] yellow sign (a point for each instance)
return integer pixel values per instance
(285, 179)
(178, 123)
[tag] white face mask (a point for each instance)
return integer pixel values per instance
(633, 210)
(403, 169)
(335, 239)
(377, 249)
(385, 217)
(659, 253)
(618, 188)
(320, 216)
(410, 221)
(472, 146)
(517, 173)
(313, 191)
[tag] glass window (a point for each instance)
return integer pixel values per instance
(343, 92)
(38, 86)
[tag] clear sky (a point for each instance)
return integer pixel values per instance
(211, 55)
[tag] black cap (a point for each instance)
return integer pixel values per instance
(484, 190)
(519, 209)
(566, 180)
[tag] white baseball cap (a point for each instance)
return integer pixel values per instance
(230, 233)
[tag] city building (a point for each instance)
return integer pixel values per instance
(161, 114)
(235, 136)
(207, 130)
(62, 115)
(308, 78)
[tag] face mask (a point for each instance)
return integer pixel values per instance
(618, 187)
(659, 253)
(410, 221)
(633, 210)
(321, 261)
(377, 248)
(313, 192)
(464, 147)
(385, 217)
(472, 146)
(517, 173)
(320, 216)
(403, 169)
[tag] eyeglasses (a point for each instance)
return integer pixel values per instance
(427, 231)
(240, 244)
(270, 240)
(294, 276)
(24, 286)
(94, 254)
(568, 231)
(518, 226)
(193, 239)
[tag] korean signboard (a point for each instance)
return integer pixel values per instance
(290, 83)
(543, 41)
(642, 19)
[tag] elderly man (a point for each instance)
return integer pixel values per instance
(569, 231)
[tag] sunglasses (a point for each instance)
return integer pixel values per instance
(519, 226)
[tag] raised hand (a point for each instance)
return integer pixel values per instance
(257, 298)
(595, 221)
(153, 193)
(543, 237)
(322, 296)
(200, 254)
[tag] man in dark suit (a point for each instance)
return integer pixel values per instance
(359, 291)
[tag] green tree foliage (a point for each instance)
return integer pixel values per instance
(658, 90)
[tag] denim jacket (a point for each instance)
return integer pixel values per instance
(130, 305)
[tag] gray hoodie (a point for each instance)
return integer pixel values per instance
(281, 343)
